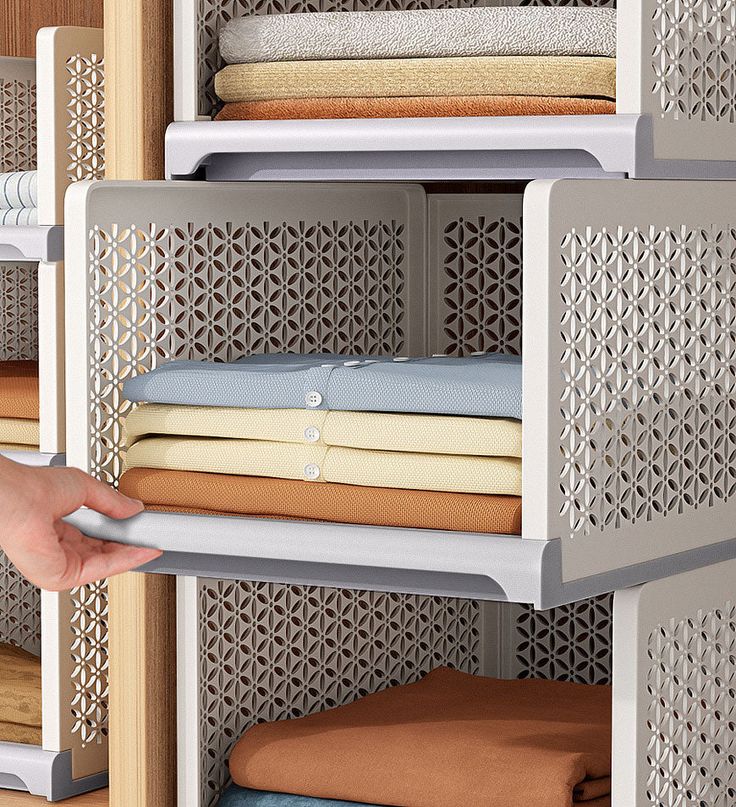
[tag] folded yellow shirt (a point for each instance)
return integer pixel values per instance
(560, 76)
(19, 431)
(424, 434)
(390, 469)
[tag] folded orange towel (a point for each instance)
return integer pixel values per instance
(450, 739)
(461, 106)
(19, 390)
(193, 491)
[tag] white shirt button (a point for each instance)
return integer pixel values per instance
(313, 399)
(311, 471)
(311, 434)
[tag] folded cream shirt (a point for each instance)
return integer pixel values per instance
(424, 434)
(391, 469)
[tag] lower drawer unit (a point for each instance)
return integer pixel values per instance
(250, 653)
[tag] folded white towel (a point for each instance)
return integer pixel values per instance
(19, 216)
(18, 189)
(503, 31)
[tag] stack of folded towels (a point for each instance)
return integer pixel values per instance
(19, 406)
(420, 63)
(19, 198)
(427, 443)
(451, 739)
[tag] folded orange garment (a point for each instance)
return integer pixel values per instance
(450, 739)
(323, 501)
(19, 390)
(414, 107)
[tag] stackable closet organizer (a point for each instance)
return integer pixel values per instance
(51, 119)
(628, 336)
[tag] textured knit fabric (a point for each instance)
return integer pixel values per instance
(420, 33)
(425, 434)
(20, 696)
(322, 501)
(19, 390)
(19, 217)
(5, 447)
(479, 386)
(18, 189)
(573, 76)
(349, 466)
(462, 106)
(450, 739)
(236, 796)
(18, 431)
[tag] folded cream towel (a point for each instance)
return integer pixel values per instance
(562, 76)
(423, 33)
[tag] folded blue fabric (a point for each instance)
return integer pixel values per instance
(236, 796)
(487, 385)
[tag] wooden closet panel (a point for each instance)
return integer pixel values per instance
(21, 19)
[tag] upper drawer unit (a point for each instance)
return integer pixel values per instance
(675, 112)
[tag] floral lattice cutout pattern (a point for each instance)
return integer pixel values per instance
(18, 311)
(20, 614)
(17, 125)
(86, 109)
(479, 277)
(219, 292)
(270, 652)
(694, 59)
(89, 655)
(648, 358)
(571, 642)
(691, 751)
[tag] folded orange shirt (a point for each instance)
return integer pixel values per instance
(460, 106)
(194, 491)
(19, 390)
(450, 739)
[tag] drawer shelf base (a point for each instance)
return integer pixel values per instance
(453, 564)
(32, 243)
(426, 149)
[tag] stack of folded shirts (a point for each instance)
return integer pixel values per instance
(420, 63)
(19, 198)
(18, 406)
(450, 739)
(426, 443)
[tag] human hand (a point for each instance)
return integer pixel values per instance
(46, 550)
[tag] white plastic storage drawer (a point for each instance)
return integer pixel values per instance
(627, 332)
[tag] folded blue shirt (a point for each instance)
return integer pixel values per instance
(487, 385)
(236, 796)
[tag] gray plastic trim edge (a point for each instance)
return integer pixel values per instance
(34, 243)
(453, 564)
(43, 773)
(423, 149)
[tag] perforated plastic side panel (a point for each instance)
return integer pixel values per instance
(20, 612)
(674, 700)
(629, 368)
(18, 311)
(17, 123)
(475, 245)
